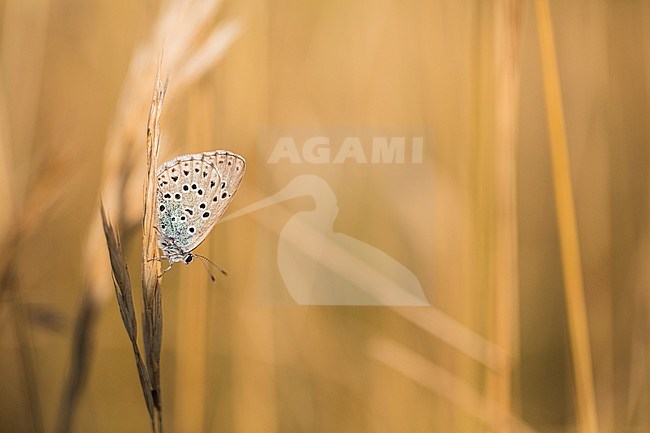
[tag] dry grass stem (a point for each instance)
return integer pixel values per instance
(24, 339)
(211, 51)
(122, 284)
(567, 226)
(7, 195)
(79, 359)
(22, 219)
(151, 290)
(180, 25)
(507, 36)
(191, 381)
(26, 202)
(460, 337)
(40, 198)
(435, 379)
(23, 74)
(149, 369)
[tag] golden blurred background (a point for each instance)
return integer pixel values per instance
(539, 317)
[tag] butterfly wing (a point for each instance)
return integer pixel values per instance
(231, 169)
(193, 193)
(185, 186)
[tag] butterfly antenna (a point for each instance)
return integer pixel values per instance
(212, 263)
(208, 270)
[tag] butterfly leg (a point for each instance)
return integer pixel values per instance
(165, 270)
(160, 259)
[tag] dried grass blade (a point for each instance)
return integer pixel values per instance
(120, 276)
(122, 283)
(151, 291)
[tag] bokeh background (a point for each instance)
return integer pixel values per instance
(493, 353)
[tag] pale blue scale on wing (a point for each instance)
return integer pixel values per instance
(193, 193)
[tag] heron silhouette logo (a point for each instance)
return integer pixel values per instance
(321, 267)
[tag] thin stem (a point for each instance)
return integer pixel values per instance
(567, 226)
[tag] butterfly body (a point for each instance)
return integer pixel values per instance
(193, 193)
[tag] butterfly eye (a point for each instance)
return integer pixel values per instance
(188, 259)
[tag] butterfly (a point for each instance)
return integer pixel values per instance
(193, 193)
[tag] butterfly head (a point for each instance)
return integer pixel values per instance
(185, 258)
(173, 252)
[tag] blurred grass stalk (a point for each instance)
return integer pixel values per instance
(24, 29)
(190, 383)
(193, 307)
(494, 190)
(505, 302)
(20, 91)
(435, 379)
(11, 233)
(27, 195)
(567, 226)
